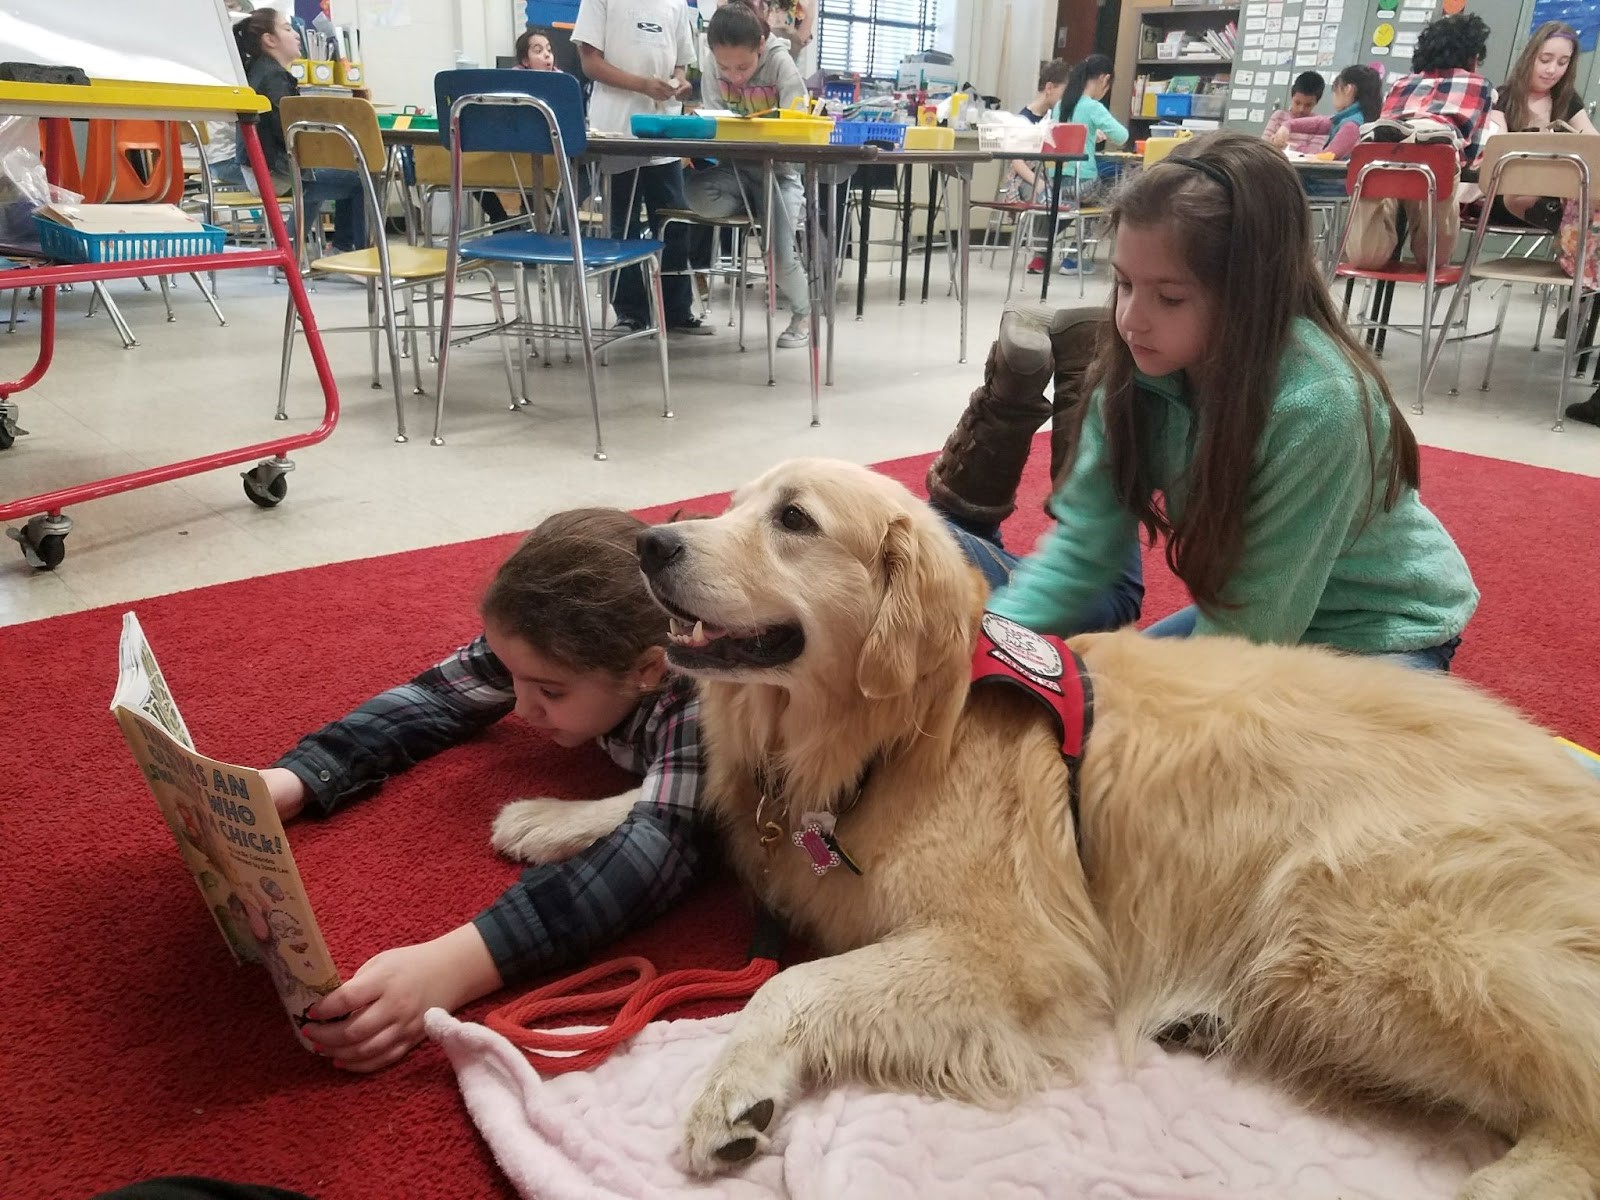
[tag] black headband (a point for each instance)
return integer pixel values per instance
(1210, 170)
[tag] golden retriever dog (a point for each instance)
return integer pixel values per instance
(1380, 883)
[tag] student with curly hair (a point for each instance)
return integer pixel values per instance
(1443, 99)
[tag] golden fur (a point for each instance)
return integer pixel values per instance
(1385, 884)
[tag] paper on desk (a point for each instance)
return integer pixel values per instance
(123, 218)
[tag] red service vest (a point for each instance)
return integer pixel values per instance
(1046, 669)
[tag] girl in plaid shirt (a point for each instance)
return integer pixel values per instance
(572, 645)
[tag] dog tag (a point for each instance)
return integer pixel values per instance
(815, 837)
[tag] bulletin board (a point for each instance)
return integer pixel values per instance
(1278, 39)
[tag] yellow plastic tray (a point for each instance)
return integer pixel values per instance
(930, 137)
(791, 127)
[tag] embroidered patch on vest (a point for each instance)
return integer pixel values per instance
(1045, 668)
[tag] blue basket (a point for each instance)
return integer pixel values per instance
(860, 133)
(74, 246)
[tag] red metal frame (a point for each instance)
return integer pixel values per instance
(280, 255)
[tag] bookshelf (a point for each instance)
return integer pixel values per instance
(1213, 27)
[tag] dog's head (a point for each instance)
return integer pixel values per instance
(818, 571)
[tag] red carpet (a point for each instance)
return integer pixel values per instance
(136, 1048)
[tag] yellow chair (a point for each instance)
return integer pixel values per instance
(341, 133)
(534, 178)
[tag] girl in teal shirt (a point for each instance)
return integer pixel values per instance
(1234, 414)
(1083, 104)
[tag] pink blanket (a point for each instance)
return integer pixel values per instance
(1176, 1128)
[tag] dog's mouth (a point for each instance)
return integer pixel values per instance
(695, 645)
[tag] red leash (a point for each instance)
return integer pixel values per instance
(637, 1002)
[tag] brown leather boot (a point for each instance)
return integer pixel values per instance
(975, 477)
(1074, 337)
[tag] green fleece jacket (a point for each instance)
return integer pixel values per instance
(1321, 559)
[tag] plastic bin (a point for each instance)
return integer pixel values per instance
(1173, 104)
(1211, 105)
(1012, 139)
(683, 125)
(74, 246)
(795, 128)
(930, 137)
(861, 133)
(408, 121)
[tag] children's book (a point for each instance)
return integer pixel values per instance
(228, 834)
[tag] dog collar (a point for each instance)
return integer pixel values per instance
(1046, 669)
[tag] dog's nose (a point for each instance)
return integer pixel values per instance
(657, 547)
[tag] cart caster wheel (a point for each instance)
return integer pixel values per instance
(43, 541)
(265, 486)
(51, 551)
(10, 431)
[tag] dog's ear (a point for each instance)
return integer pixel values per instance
(888, 663)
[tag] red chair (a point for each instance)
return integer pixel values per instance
(1421, 172)
(1063, 139)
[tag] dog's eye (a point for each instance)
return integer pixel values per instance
(795, 519)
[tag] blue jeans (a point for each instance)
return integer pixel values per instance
(658, 187)
(1117, 606)
(317, 188)
(1432, 658)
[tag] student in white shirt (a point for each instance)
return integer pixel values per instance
(636, 52)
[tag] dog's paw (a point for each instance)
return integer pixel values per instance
(733, 1117)
(543, 830)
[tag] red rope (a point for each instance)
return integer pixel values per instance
(637, 1003)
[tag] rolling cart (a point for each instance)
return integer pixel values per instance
(44, 523)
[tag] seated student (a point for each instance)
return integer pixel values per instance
(1029, 182)
(267, 44)
(1083, 103)
(1541, 90)
(754, 73)
(534, 53)
(1357, 99)
(1305, 93)
(1443, 99)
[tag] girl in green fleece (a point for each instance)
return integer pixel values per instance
(1234, 414)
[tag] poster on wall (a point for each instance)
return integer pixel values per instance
(1582, 15)
(309, 10)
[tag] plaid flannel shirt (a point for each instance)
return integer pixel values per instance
(557, 914)
(1460, 98)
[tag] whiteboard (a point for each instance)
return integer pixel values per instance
(151, 41)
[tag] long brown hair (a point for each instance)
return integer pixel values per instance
(247, 34)
(1248, 242)
(573, 591)
(1515, 92)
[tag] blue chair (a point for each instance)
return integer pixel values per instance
(537, 112)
